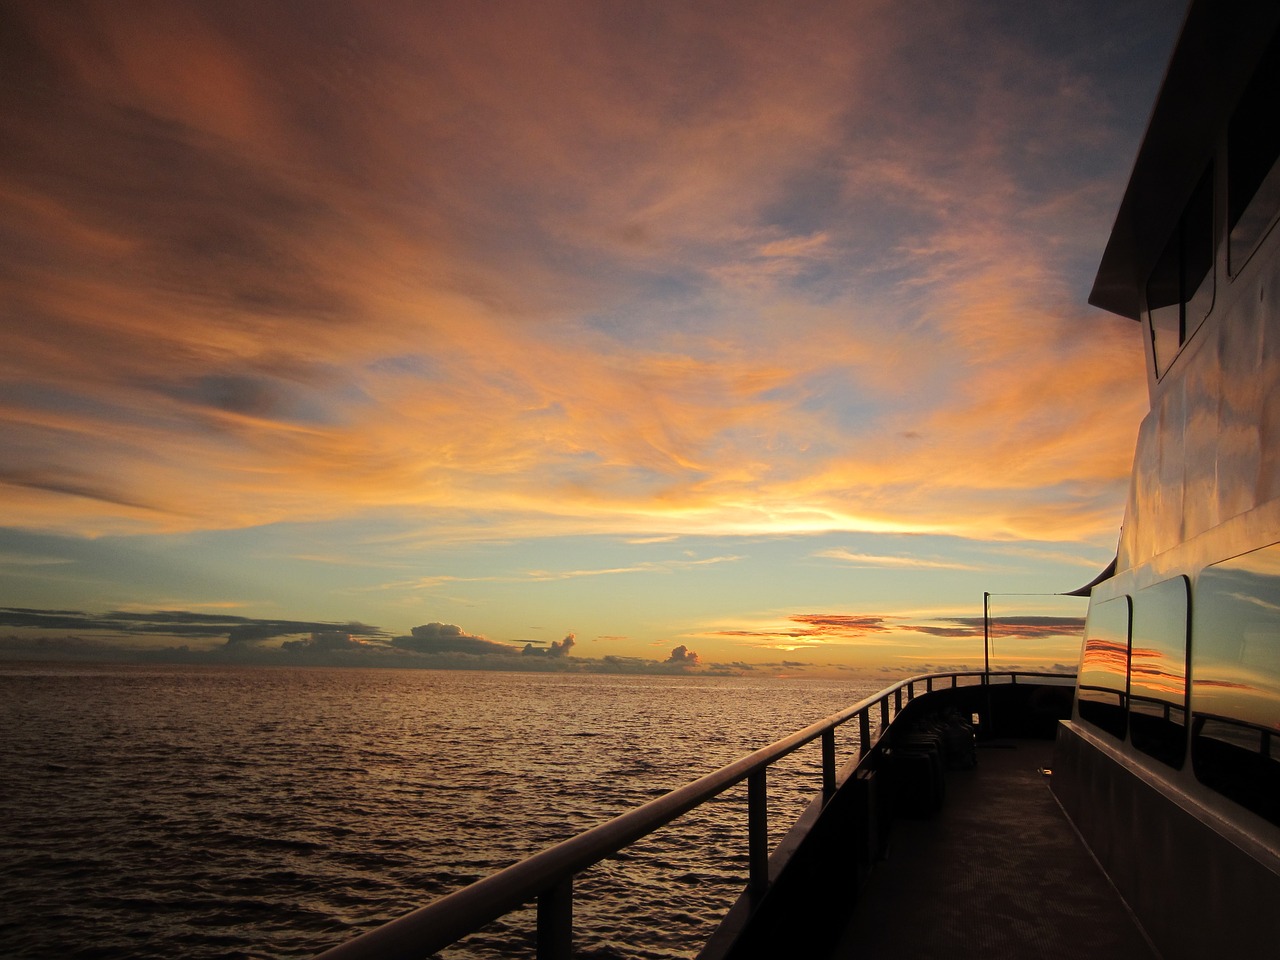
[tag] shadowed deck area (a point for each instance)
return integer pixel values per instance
(998, 873)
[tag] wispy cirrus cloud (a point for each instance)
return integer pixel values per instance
(894, 562)
(658, 566)
(667, 566)
(1029, 638)
(1018, 627)
(1040, 555)
(808, 630)
(31, 560)
(626, 290)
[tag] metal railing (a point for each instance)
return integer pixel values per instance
(547, 877)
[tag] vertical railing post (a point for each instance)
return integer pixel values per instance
(897, 701)
(884, 714)
(986, 634)
(928, 684)
(555, 921)
(864, 733)
(987, 717)
(758, 833)
(829, 763)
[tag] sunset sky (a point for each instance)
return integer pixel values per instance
(751, 334)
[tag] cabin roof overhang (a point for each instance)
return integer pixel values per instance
(1220, 46)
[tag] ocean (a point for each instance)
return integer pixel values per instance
(207, 812)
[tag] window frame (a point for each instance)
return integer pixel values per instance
(1091, 703)
(1161, 731)
(1190, 247)
(1253, 164)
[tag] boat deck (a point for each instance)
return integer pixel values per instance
(999, 872)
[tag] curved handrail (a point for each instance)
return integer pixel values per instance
(543, 875)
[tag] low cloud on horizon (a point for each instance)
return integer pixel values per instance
(73, 635)
(198, 638)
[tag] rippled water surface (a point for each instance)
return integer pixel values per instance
(207, 812)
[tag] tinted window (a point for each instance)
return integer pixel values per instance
(1158, 672)
(1253, 176)
(1235, 692)
(1180, 288)
(1101, 686)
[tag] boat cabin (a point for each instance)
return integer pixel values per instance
(1170, 765)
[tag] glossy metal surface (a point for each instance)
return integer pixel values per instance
(1209, 451)
(1236, 687)
(1237, 657)
(1195, 847)
(1158, 672)
(1102, 688)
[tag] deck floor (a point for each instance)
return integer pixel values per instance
(998, 873)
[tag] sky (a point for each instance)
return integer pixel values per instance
(697, 337)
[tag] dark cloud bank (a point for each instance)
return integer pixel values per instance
(225, 639)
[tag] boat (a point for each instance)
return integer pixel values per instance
(1168, 766)
(1152, 777)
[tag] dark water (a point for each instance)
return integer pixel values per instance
(219, 813)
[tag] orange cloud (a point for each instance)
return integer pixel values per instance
(809, 631)
(570, 273)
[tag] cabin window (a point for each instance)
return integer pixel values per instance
(1180, 288)
(1253, 175)
(1235, 687)
(1101, 689)
(1158, 672)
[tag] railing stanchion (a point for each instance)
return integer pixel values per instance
(884, 713)
(758, 833)
(829, 763)
(897, 701)
(864, 732)
(555, 921)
